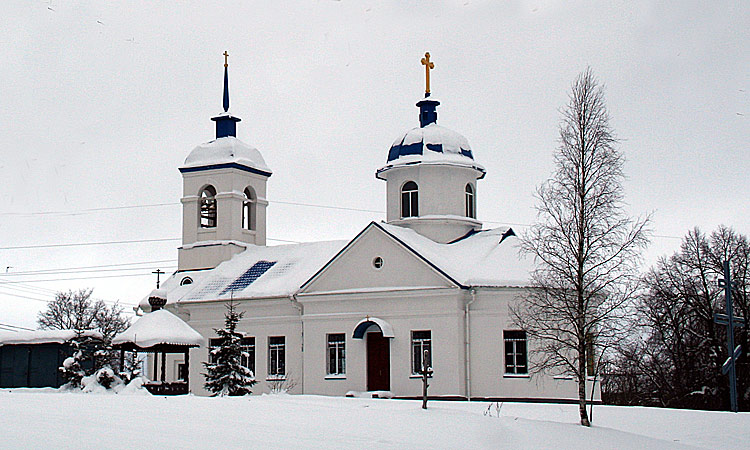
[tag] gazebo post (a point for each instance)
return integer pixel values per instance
(156, 366)
(163, 366)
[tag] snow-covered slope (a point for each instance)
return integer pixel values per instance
(47, 419)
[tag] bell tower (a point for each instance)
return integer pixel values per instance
(224, 195)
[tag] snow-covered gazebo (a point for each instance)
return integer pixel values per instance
(160, 331)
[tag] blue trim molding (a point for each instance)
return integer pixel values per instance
(225, 166)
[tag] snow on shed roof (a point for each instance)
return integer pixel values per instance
(44, 336)
(259, 272)
(484, 258)
(159, 327)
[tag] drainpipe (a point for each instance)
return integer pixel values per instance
(467, 342)
(300, 308)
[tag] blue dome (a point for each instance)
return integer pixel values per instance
(430, 141)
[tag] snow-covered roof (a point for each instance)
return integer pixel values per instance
(159, 327)
(484, 258)
(174, 288)
(431, 144)
(258, 272)
(226, 150)
(44, 336)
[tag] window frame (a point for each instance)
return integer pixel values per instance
(276, 357)
(207, 208)
(409, 200)
(515, 345)
(418, 345)
(336, 354)
(471, 201)
(247, 343)
(249, 209)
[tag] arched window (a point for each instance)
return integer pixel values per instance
(208, 207)
(248, 210)
(471, 207)
(410, 200)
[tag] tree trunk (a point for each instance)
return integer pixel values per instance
(582, 383)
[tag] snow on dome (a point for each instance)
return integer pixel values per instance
(431, 144)
(226, 150)
(45, 336)
(431, 138)
(159, 327)
(159, 293)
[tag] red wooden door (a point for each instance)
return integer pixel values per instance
(378, 362)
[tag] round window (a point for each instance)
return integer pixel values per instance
(186, 280)
(377, 262)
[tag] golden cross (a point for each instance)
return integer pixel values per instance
(226, 58)
(427, 66)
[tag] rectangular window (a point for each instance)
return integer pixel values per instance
(182, 373)
(248, 350)
(421, 351)
(336, 354)
(515, 352)
(213, 344)
(276, 356)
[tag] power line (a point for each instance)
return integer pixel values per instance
(152, 205)
(71, 271)
(75, 244)
(30, 272)
(15, 326)
(77, 278)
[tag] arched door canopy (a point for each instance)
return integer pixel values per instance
(364, 324)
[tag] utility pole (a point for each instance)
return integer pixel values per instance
(730, 321)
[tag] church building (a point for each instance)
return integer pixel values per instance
(429, 286)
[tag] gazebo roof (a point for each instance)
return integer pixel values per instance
(158, 331)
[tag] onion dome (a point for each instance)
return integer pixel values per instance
(430, 143)
(157, 299)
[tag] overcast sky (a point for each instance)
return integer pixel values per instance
(101, 102)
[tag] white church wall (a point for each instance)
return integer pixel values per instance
(407, 310)
(263, 319)
(490, 316)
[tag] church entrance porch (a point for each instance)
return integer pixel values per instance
(377, 332)
(378, 362)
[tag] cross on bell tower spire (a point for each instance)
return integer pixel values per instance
(226, 124)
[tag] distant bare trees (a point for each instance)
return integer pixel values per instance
(677, 357)
(74, 310)
(585, 247)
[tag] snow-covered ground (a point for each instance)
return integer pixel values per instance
(45, 418)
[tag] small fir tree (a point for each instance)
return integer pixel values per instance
(225, 374)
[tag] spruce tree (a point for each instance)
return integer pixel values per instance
(225, 374)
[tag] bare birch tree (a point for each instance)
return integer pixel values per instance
(585, 247)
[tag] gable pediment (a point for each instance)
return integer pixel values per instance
(354, 269)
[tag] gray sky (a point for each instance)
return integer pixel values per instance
(101, 102)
